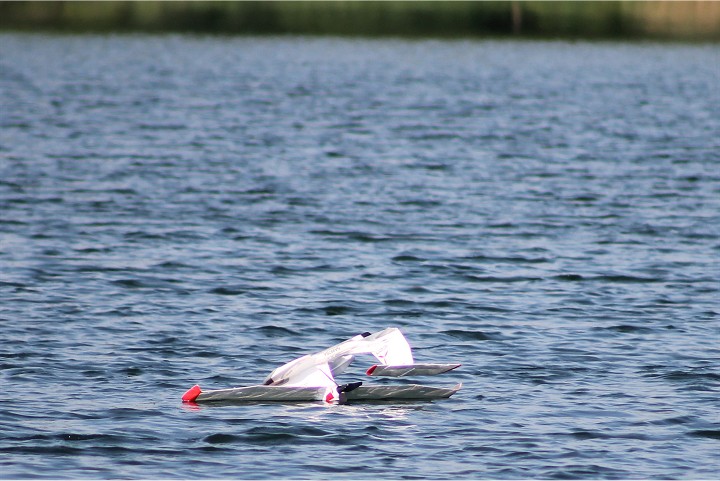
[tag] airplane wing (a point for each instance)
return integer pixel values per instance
(410, 370)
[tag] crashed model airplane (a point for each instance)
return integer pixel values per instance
(312, 377)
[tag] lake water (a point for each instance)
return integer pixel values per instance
(178, 210)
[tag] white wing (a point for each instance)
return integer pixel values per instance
(411, 370)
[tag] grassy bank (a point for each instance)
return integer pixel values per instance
(694, 20)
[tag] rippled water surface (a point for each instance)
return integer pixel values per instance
(180, 209)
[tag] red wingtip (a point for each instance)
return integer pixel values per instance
(191, 394)
(371, 370)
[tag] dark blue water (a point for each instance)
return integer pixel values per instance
(180, 209)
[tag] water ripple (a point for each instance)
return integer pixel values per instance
(178, 210)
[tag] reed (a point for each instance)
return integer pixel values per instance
(693, 20)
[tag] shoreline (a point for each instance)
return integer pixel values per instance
(695, 21)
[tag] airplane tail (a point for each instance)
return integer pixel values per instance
(390, 347)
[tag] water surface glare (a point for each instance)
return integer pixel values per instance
(178, 210)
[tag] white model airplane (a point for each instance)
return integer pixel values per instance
(312, 377)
